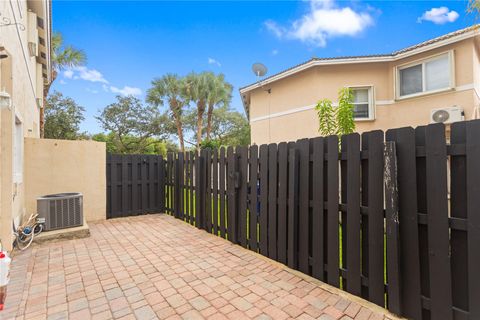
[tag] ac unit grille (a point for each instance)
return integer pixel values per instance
(60, 211)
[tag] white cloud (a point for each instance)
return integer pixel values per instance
(274, 52)
(84, 73)
(274, 28)
(213, 61)
(68, 74)
(90, 75)
(91, 90)
(63, 81)
(440, 15)
(93, 75)
(126, 91)
(324, 20)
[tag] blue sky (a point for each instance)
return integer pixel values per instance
(130, 43)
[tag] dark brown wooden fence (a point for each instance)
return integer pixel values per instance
(135, 185)
(393, 218)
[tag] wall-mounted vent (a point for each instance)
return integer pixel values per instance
(63, 210)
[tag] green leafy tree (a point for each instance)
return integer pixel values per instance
(62, 56)
(326, 115)
(63, 117)
(155, 146)
(345, 114)
(210, 144)
(229, 128)
(109, 140)
(133, 124)
(170, 89)
(336, 121)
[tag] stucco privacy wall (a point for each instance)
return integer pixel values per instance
(55, 166)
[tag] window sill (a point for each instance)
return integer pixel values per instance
(364, 119)
(422, 94)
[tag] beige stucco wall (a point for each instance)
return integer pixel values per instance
(21, 77)
(55, 166)
(301, 91)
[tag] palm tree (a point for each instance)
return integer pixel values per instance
(170, 88)
(474, 7)
(197, 89)
(219, 94)
(62, 57)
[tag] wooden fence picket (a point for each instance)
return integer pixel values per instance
(223, 192)
(282, 202)
(333, 273)
(263, 218)
(272, 201)
(253, 209)
(373, 222)
(438, 225)
(473, 210)
(318, 209)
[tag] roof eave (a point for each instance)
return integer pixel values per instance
(377, 59)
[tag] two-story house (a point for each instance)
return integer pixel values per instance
(390, 90)
(25, 67)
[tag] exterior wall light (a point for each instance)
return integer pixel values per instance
(5, 100)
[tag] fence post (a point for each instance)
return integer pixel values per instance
(232, 185)
(292, 251)
(161, 182)
(199, 190)
(392, 225)
(176, 188)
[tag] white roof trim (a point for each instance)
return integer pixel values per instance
(387, 58)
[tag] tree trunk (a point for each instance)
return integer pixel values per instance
(209, 120)
(174, 107)
(178, 124)
(201, 111)
(46, 89)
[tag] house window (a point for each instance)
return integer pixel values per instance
(362, 103)
(428, 76)
(18, 152)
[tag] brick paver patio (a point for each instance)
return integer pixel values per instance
(156, 267)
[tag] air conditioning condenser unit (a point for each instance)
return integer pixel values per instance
(447, 115)
(62, 210)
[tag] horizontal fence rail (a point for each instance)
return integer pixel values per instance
(391, 217)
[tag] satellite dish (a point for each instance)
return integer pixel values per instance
(440, 116)
(259, 69)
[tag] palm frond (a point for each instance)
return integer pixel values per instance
(65, 56)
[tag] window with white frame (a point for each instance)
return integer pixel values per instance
(362, 103)
(18, 152)
(430, 75)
